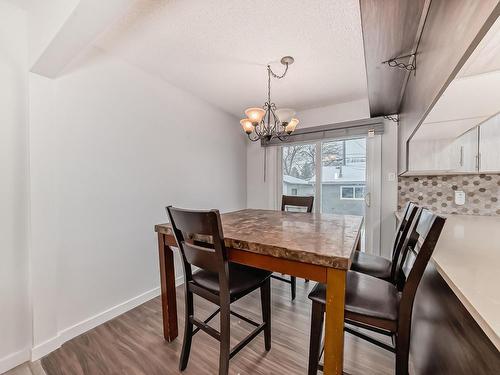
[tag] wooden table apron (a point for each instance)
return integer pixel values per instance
(334, 278)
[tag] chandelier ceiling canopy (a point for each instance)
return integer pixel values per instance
(268, 122)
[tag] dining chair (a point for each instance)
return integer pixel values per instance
(292, 202)
(200, 239)
(379, 266)
(379, 306)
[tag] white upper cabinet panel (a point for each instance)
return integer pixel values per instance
(489, 145)
(461, 133)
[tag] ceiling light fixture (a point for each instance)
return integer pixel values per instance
(269, 122)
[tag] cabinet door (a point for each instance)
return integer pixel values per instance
(489, 145)
(466, 151)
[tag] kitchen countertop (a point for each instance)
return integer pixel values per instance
(321, 239)
(467, 256)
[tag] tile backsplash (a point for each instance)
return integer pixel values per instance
(437, 193)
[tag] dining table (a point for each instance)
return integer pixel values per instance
(313, 246)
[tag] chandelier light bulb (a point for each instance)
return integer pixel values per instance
(291, 125)
(285, 115)
(247, 125)
(255, 114)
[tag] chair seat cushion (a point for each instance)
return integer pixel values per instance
(372, 265)
(366, 296)
(241, 279)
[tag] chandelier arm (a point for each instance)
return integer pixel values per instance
(262, 129)
(284, 135)
(253, 139)
(257, 130)
(276, 122)
(269, 129)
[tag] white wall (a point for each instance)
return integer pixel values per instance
(262, 194)
(111, 146)
(45, 18)
(389, 189)
(355, 110)
(15, 325)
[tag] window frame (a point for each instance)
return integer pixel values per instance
(353, 187)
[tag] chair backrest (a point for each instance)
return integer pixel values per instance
(296, 201)
(200, 240)
(425, 230)
(409, 215)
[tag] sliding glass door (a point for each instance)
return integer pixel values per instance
(335, 172)
(299, 169)
(343, 176)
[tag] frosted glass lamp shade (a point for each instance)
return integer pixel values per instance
(255, 115)
(247, 125)
(291, 125)
(285, 114)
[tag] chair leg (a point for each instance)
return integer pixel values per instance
(293, 283)
(317, 318)
(188, 331)
(402, 354)
(225, 337)
(265, 297)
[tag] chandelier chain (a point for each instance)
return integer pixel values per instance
(271, 73)
(276, 75)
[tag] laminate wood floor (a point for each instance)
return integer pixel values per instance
(132, 344)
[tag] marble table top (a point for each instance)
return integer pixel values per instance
(322, 239)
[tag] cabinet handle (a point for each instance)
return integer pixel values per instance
(461, 156)
(477, 158)
(479, 161)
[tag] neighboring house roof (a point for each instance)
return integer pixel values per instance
(294, 180)
(352, 173)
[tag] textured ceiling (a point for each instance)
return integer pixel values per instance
(218, 50)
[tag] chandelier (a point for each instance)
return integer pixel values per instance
(269, 122)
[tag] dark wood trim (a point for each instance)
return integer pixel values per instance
(167, 283)
(390, 29)
(289, 267)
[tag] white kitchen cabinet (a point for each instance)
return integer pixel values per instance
(430, 155)
(489, 145)
(465, 152)
(446, 155)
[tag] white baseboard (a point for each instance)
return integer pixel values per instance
(14, 360)
(66, 334)
(48, 346)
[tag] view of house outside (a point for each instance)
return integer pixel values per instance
(343, 174)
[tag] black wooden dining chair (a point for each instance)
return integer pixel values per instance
(381, 267)
(200, 240)
(379, 306)
(294, 203)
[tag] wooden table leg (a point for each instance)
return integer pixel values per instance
(334, 322)
(168, 297)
